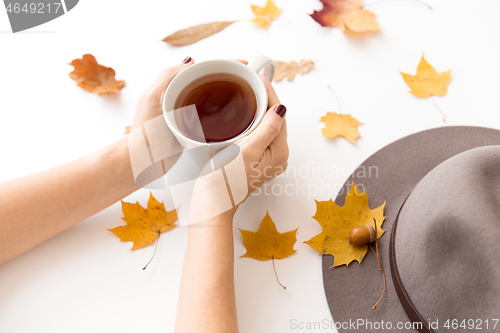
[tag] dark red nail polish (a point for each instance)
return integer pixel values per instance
(185, 61)
(280, 110)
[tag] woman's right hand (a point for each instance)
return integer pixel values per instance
(263, 154)
(265, 150)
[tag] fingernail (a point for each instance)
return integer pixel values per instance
(280, 110)
(185, 61)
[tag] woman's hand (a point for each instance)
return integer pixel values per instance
(265, 150)
(37, 207)
(258, 158)
(206, 296)
(149, 105)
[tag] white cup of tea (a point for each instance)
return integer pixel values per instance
(176, 117)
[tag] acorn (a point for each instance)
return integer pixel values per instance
(362, 235)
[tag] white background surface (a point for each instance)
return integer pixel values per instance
(84, 279)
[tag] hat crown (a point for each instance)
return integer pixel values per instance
(447, 242)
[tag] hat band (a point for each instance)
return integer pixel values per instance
(404, 299)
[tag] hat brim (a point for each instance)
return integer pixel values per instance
(395, 170)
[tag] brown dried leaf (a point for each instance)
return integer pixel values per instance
(290, 69)
(95, 78)
(193, 34)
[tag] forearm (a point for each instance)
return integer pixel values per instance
(206, 297)
(37, 207)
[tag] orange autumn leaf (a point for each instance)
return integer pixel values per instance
(144, 225)
(346, 15)
(337, 221)
(427, 81)
(290, 69)
(264, 16)
(193, 34)
(95, 78)
(341, 125)
(267, 243)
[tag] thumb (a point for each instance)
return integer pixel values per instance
(269, 128)
(163, 80)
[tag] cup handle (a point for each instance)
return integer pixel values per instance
(265, 64)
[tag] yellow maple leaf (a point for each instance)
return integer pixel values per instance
(427, 81)
(346, 15)
(144, 225)
(290, 69)
(341, 125)
(336, 222)
(267, 243)
(264, 16)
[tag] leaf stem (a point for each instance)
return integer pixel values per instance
(381, 296)
(277, 275)
(376, 244)
(437, 106)
(379, 1)
(379, 264)
(156, 246)
(337, 97)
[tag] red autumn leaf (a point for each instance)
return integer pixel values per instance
(346, 15)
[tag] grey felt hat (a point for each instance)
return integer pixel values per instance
(442, 194)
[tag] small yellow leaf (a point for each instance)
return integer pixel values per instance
(267, 243)
(144, 225)
(336, 222)
(193, 34)
(264, 16)
(127, 129)
(427, 81)
(290, 69)
(341, 125)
